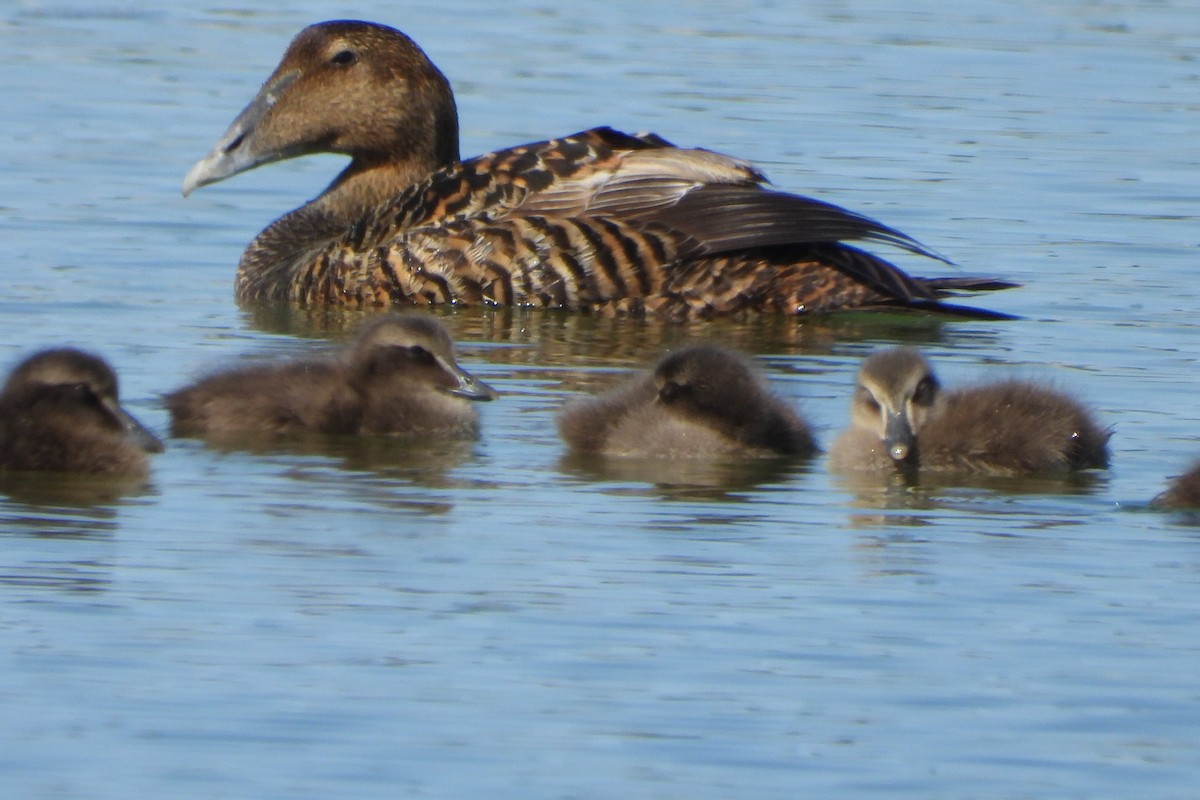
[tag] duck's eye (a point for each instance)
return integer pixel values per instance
(421, 355)
(866, 399)
(924, 393)
(344, 58)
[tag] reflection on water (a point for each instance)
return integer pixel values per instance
(50, 489)
(51, 525)
(991, 498)
(682, 478)
(72, 577)
(537, 336)
(897, 489)
(427, 463)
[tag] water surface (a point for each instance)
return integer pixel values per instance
(374, 619)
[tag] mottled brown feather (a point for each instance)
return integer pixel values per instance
(597, 220)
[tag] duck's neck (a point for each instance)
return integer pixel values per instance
(285, 246)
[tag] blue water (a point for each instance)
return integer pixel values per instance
(494, 620)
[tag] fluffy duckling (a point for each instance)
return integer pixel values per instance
(901, 418)
(700, 402)
(59, 412)
(596, 220)
(400, 377)
(1182, 493)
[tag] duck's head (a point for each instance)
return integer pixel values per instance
(80, 385)
(896, 394)
(355, 88)
(417, 349)
(705, 378)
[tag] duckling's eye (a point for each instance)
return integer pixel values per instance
(344, 58)
(866, 399)
(80, 391)
(924, 393)
(421, 355)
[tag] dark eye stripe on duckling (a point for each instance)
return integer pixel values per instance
(597, 220)
(400, 377)
(59, 411)
(901, 418)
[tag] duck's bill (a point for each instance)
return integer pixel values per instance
(468, 386)
(135, 431)
(898, 436)
(236, 151)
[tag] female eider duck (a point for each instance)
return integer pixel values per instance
(901, 418)
(400, 377)
(597, 220)
(701, 401)
(59, 412)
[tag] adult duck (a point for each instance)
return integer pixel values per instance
(59, 412)
(598, 220)
(902, 419)
(702, 401)
(400, 377)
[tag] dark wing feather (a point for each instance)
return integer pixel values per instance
(872, 271)
(725, 217)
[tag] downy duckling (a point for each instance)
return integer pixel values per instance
(59, 412)
(901, 418)
(1182, 493)
(400, 377)
(602, 220)
(702, 401)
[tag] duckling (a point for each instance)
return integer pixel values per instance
(602, 220)
(1182, 493)
(59, 412)
(400, 377)
(702, 401)
(901, 418)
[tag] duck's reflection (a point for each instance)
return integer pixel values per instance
(522, 336)
(724, 480)
(92, 494)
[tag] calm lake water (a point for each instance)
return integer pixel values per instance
(494, 620)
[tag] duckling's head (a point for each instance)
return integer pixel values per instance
(705, 378)
(897, 393)
(416, 349)
(355, 88)
(79, 384)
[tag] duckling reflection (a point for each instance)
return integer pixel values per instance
(59, 412)
(702, 401)
(400, 377)
(1182, 493)
(901, 418)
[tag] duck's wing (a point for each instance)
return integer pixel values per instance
(606, 220)
(555, 177)
(715, 200)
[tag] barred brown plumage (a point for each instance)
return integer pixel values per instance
(597, 220)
